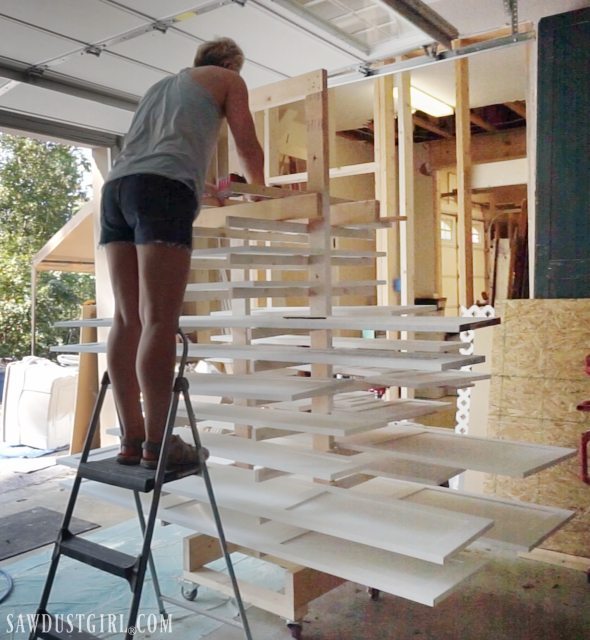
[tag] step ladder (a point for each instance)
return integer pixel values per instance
(139, 480)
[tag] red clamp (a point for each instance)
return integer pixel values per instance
(585, 437)
(584, 441)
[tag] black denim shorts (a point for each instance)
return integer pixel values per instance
(146, 207)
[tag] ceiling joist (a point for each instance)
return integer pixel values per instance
(519, 108)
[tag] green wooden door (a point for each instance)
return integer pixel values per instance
(562, 267)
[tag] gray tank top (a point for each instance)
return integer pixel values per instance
(172, 134)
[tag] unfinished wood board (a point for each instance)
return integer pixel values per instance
(335, 172)
(296, 207)
(289, 602)
(305, 462)
(426, 533)
(441, 446)
(265, 387)
(433, 346)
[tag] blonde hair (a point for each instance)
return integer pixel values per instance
(221, 52)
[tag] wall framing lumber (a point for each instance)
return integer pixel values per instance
(287, 91)
(464, 204)
(485, 147)
(386, 187)
(406, 187)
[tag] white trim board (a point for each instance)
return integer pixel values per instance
(382, 344)
(425, 533)
(424, 380)
(390, 378)
(377, 322)
(318, 423)
(344, 310)
(366, 407)
(518, 526)
(295, 416)
(265, 387)
(416, 580)
(304, 462)
(337, 311)
(421, 361)
(410, 471)
(441, 446)
(381, 377)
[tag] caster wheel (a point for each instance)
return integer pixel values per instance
(374, 593)
(296, 630)
(189, 593)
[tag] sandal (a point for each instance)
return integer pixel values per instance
(180, 454)
(130, 453)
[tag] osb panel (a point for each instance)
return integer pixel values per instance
(537, 380)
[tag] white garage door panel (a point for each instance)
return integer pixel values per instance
(170, 51)
(63, 108)
(112, 73)
(87, 20)
(293, 52)
(30, 46)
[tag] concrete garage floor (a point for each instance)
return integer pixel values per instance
(511, 599)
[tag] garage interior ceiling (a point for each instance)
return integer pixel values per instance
(84, 63)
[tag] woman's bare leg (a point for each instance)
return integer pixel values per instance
(124, 338)
(163, 274)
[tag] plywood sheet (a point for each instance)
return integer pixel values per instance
(537, 381)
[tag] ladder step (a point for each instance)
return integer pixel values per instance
(60, 630)
(96, 555)
(134, 477)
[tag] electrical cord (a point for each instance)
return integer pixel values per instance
(9, 585)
